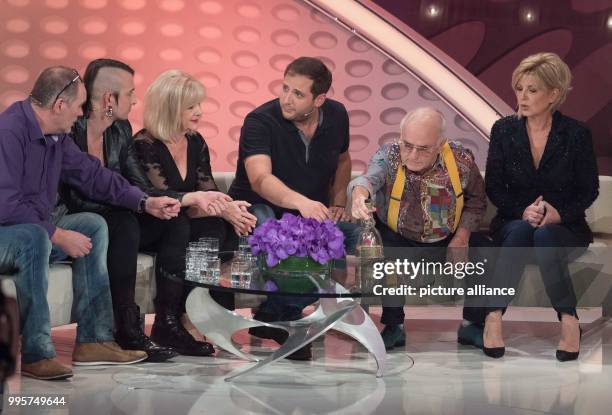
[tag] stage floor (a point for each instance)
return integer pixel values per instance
(431, 375)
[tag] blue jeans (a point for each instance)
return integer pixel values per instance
(290, 308)
(553, 247)
(26, 249)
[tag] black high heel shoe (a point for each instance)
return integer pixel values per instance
(496, 352)
(564, 356)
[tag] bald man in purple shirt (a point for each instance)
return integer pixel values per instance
(35, 155)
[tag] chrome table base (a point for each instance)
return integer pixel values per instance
(341, 314)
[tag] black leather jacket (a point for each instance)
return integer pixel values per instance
(120, 157)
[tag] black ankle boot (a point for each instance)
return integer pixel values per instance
(168, 331)
(129, 335)
(278, 335)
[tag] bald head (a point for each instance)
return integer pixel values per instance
(108, 80)
(51, 82)
(426, 117)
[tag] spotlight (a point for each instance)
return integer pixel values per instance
(433, 11)
(609, 22)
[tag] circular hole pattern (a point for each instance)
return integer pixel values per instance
(171, 5)
(54, 25)
(93, 26)
(275, 87)
(14, 74)
(331, 92)
(356, 44)
(171, 54)
(133, 4)
(395, 91)
(285, 38)
(359, 165)
(91, 51)
(462, 124)
(286, 13)
(427, 94)
(9, 97)
(53, 50)
(323, 40)
(358, 68)
(359, 142)
(132, 27)
(319, 17)
(280, 62)
(358, 118)
(244, 84)
(388, 138)
(15, 49)
(17, 25)
(234, 133)
(244, 59)
(391, 68)
(232, 158)
(171, 29)
(94, 4)
(241, 108)
(210, 106)
(210, 32)
(249, 10)
(56, 4)
(209, 130)
(246, 34)
(211, 7)
(357, 93)
(208, 55)
(392, 116)
(131, 52)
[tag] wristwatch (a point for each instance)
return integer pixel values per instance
(142, 204)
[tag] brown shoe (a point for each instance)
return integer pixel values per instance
(106, 353)
(46, 369)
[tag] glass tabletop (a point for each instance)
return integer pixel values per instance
(339, 283)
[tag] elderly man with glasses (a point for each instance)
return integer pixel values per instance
(428, 194)
(35, 154)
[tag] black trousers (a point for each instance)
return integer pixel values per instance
(128, 234)
(393, 306)
(552, 247)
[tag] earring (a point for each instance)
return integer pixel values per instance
(109, 111)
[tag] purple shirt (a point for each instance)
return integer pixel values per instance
(32, 165)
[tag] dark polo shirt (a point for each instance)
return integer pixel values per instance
(307, 168)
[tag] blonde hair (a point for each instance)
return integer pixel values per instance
(166, 98)
(548, 68)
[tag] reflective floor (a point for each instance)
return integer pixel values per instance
(432, 375)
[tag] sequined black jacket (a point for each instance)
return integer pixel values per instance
(120, 157)
(567, 176)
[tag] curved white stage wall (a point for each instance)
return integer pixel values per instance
(239, 48)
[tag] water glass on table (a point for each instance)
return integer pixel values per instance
(241, 270)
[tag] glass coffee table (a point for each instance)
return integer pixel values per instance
(338, 309)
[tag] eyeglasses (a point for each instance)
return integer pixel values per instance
(421, 150)
(76, 78)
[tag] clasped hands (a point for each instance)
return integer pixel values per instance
(541, 213)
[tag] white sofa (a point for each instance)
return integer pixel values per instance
(592, 276)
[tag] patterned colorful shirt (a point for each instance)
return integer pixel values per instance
(427, 208)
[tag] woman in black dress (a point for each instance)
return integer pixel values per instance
(541, 175)
(175, 157)
(105, 133)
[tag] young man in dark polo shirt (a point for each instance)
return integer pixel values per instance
(293, 157)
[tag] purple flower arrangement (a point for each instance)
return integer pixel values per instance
(297, 236)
